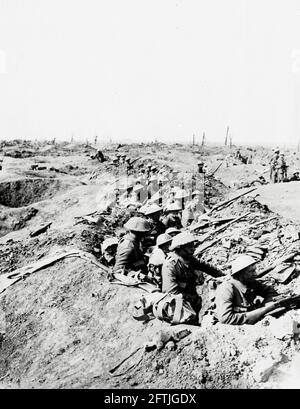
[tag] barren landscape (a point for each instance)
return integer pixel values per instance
(67, 326)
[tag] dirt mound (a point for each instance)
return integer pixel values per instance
(67, 326)
(24, 192)
(15, 219)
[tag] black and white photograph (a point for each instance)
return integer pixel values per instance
(149, 197)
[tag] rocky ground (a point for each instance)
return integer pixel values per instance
(67, 326)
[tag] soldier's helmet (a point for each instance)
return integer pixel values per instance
(157, 259)
(153, 208)
(196, 193)
(181, 194)
(173, 207)
(241, 262)
(163, 239)
(137, 224)
(182, 239)
(172, 231)
(110, 242)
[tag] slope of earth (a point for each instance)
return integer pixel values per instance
(66, 325)
(282, 198)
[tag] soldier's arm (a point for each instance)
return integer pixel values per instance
(169, 280)
(207, 268)
(227, 311)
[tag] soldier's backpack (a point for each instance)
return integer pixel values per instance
(165, 307)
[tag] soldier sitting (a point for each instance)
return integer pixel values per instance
(182, 271)
(109, 249)
(153, 213)
(172, 218)
(129, 252)
(238, 301)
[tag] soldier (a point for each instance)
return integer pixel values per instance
(273, 165)
(99, 155)
(155, 264)
(172, 218)
(295, 177)
(181, 197)
(193, 209)
(109, 249)
(129, 253)
(200, 165)
(153, 213)
(1, 162)
(182, 271)
(282, 168)
(238, 300)
(152, 186)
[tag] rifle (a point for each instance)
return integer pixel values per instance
(291, 302)
(281, 260)
(220, 164)
(229, 201)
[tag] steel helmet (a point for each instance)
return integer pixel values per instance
(196, 192)
(153, 168)
(157, 258)
(138, 188)
(182, 239)
(181, 194)
(281, 154)
(172, 230)
(200, 162)
(153, 208)
(127, 159)
(109, 242)
(276, 150)
(137, 224)
(174, 189)
(153, 178)
(163, 179)
(241, 262)
(118, 154)
(173, 207)
(163, 239)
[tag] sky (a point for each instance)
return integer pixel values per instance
(134, 70)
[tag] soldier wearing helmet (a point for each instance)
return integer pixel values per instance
(129, 252)
(193, 209)
(282, 168)
(181, 272)
(172, 218)
(158, 257)
(238, 300)
(273, 165)
(153, 213)
(109, 249)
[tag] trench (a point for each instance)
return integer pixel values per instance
(25, 192)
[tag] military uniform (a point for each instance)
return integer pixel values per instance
(180, 276)
(172, 220)
(157, 228)
(273, 167)
(234, 300)
(129, 254)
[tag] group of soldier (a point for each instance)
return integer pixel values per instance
(278, 167)
(159, 246)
